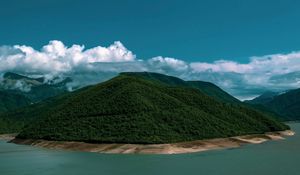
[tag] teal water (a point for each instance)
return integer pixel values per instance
(270, 158)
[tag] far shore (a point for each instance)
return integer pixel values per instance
(172, 148)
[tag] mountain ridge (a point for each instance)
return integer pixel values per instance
(134, 109)
(35, 89)
(286, 105)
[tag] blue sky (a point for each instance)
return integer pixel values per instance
(199, 30)
(246, 47)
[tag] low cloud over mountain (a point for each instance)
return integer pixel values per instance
(89, 66)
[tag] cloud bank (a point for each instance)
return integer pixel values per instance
(88, 66)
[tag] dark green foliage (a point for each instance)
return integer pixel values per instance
(10, 126)
(38, 91)
(205, 87)
(134, 109)
(11, 101)
(16, 106)
(20, 116)
(264, 98)
(44, 91)
(286, 105)
(214, 91)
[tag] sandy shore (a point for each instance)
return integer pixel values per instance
(8, 137)
(173, 148)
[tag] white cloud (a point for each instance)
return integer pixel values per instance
(57, 58)
(114, 53)
(168, 63)
(272, 72)
(88, 66)
(221, 66)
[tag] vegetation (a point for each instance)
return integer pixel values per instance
(8, 125)
(286, 105)
(264, 98)
(136, 109)
(205, 87)
(214, 91)
(11, 101)
(34, 89)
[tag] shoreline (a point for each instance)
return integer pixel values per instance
(172, 148)
(8, 137)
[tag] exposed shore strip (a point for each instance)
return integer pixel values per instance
(8, 137)
(172, 148)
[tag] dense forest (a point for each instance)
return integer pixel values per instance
(10, 101)
(133, 109)
(207, 88)
(286, 105)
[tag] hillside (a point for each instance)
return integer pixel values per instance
(264, 98)
(35, 89)
(32, 112)
(13, 120)
(286, 105)
(133, 109)
(205, 87)
(11, 101)
(18, 94)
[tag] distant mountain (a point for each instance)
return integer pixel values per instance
(13, 76)
(264, 98)
(133, 108)
(35, 89)
(286, 105)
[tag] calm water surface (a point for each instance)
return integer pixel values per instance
(271, 158)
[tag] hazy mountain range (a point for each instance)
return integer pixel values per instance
(18, 90)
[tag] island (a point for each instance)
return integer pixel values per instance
(146, 113)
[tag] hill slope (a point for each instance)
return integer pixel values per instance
(264, 98)
(286, 105)
(133, 109)
(206, 87)
(10, 101)
(35, 89)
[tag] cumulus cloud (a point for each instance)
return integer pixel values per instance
(272, 72)
(165, 64)
(57, 58)
(88, 66)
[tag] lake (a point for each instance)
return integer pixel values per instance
(270, 158)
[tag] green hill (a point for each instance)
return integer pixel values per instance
(287, 105)
(214, 91)
(13, 120)
(135, 109)
(264, 98)
(206, 87)
(11, 101)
